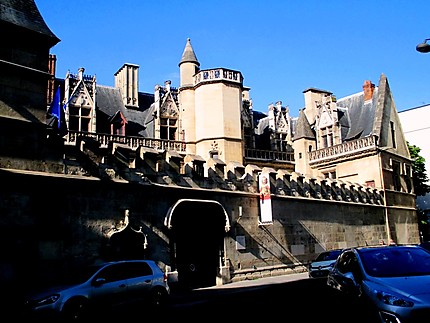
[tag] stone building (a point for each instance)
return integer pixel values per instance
(174, 175)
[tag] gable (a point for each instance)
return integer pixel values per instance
(169, 107)
(325, 118)
(282, 124)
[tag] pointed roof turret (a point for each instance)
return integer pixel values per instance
(303, 128)
(188, 56)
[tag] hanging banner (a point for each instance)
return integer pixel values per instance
(265, 199)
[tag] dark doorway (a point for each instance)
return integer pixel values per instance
(198, 229)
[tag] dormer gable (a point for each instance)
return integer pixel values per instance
(324, 117)
(169, 106)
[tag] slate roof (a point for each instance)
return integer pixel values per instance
(188, 56)
(356, 116)
(109, 102)
(25, 14)
(303, 128)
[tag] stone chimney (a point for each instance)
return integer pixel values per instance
(127, 80)
(368, 88)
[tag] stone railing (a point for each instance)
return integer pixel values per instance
(269, 155)
(344, 149)
(73, 137)
(218, 74)
(133, 142)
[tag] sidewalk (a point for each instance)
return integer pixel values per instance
(185, 297)
(263, 281)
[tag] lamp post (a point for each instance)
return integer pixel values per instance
(424, 47)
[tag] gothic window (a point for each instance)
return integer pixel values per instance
(396, 176)
(168, 128)
(281, 144)
(327, 137)
(80, 118)
(408, 170)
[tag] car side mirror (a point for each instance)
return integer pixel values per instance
(350, 277)
(351, 283)
(99, 281)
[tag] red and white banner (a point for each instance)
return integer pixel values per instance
(265, 199)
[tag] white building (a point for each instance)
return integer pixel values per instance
(416, 128)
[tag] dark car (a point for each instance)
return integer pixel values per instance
(392, 282)
(100, 287)
(323, 263)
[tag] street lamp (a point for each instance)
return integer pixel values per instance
(424, 47)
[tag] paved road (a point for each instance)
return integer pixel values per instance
(294, 298)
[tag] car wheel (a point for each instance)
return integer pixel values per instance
(74, 310)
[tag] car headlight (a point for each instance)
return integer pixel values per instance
(394, 300)
(47, 300)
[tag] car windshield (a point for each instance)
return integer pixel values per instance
(395, 261)
(328, 255)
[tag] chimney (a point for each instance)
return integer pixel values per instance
(368, 88)
(127, 80)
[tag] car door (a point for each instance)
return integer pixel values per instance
(139, 280)
(343, 275)
(109, 286)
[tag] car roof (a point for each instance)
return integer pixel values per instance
(106, 263)
(358, 248)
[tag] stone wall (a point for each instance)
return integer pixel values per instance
(52, 221)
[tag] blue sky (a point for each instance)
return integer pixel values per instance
(280, 47)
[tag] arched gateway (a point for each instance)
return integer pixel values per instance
(197, 241)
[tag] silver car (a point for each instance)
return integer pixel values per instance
(393, 282)
(323, 263)
(101, 287)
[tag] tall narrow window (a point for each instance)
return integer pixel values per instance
(393, 133)
(396, 176)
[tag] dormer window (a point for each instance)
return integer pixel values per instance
(327, 137)
(168, 128)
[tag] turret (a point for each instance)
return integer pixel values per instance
(188, 66)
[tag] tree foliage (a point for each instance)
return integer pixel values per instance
(421, 188)
(419, 173)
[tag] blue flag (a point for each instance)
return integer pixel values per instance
(55, 107)
(57, 112)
